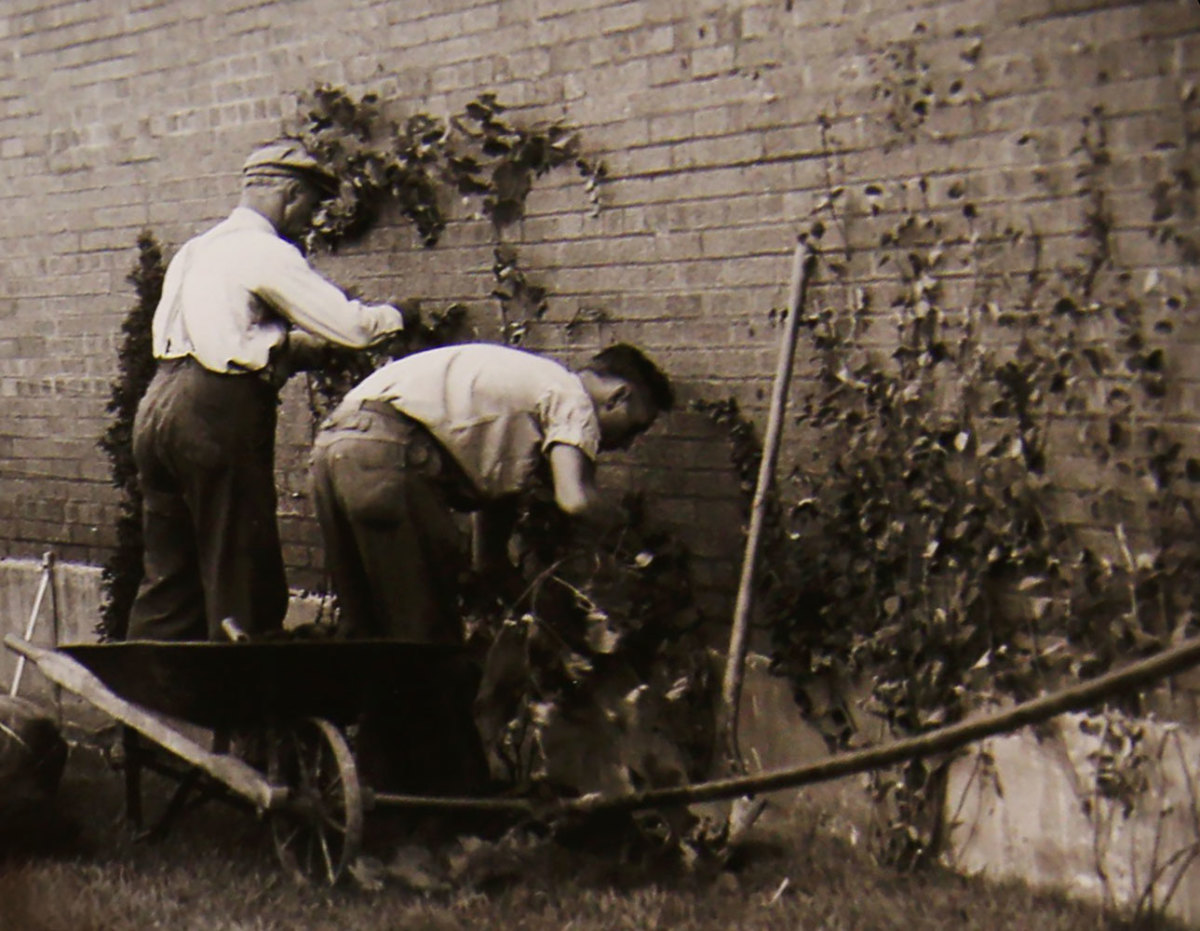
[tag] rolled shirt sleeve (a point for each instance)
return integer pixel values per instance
(566, 415)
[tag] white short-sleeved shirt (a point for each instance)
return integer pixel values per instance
(231, 293)
(497, 410)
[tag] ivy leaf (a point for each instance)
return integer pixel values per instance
(542, 713)
(601, 637)
(1096, 359)
(679, 688)
(577, 666)
(479, 110)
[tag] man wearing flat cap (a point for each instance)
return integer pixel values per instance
(240, 304)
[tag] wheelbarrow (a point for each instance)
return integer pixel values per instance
(289, 703)
(299, 694)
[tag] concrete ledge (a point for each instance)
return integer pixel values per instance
(76, 600)
(1026, 808)
(774, 734)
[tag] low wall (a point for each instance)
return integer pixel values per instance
(1103, 808)
(774, 734)
(69, 611)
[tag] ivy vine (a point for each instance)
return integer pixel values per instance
(1174, 198)
(933, 542)
(420, 164)
(416, 164)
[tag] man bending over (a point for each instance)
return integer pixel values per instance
(461, 428)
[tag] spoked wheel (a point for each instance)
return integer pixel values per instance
(318, 832)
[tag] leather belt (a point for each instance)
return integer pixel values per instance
(264, 375)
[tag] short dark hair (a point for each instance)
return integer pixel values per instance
(627, 362)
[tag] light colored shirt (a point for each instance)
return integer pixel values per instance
(496, 410)
(231, 293)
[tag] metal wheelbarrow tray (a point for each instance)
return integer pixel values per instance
(246, 685)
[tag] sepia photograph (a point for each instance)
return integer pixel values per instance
(578, 465)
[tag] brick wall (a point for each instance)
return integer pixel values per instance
(119, 115)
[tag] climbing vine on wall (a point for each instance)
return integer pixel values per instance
(998, 501)
(418, 165)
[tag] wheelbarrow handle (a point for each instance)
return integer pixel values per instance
(239, 777)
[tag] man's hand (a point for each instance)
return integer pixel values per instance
(576, 494)
(402, 342)
(410, 313)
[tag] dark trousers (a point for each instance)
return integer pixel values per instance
(382, 488)
(204, 446)
(385, 495)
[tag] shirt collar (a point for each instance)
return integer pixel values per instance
(250, 218)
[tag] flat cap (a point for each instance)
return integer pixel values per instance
(289, 157)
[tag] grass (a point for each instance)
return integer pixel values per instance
(78, 870)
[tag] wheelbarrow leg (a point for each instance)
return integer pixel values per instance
(176, 804)
(132, 750)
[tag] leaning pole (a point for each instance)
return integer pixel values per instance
(803, 264)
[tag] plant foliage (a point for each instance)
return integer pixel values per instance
(997, 497)
(595, 679)
(135, 368)
(419, 163)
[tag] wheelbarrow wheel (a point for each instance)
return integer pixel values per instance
(318, 833)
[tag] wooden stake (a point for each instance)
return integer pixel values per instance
(803, 263)
(46, 582)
